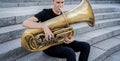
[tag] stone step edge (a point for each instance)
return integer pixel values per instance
(10, 48)
(105, 16)
(46, 3)
(39, 9)
(98, 25)
(93, 37)
(19, 26)
(19, 19)
(41, 56)
(96, 36)
(110, 50)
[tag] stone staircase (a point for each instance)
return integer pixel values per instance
(114, 57)
(104, 37)
(26, 3)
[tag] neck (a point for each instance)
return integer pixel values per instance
(56, 11)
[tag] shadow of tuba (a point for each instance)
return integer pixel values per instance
(33, 39)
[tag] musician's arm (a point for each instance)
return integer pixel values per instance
(32, 23)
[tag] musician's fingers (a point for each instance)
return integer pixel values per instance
(67, 42)
(52, 35)
(49, 37)
(65, 39)
(46, 37)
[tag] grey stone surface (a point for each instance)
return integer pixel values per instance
(33, 10)
(113, 57)
(95, 53)
(11, 50)
(96, 35)
(106, 23)
(7, 21)
(112, 15)
(95, 1)
(106, 10)
(16, 30)
(17, 15)
(10, 28)
(118, 37)
(37, 56)
(20, 19)
(116, 29)
(28, 4)
(99, 24)
(7, 5)
(10, 33)
(110, 46)
(103, 16)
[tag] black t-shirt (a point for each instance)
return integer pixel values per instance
(45, 14)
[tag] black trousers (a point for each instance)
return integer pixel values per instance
(68, 51)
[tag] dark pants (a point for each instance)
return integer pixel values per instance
(68, 51)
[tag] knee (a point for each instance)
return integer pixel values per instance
(86, 47)
(69, 52)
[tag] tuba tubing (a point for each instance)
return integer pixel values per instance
(82, 13)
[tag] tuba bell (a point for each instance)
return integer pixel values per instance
(33, 39)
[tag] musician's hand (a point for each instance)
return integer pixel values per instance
(48, 32)
(69, 39)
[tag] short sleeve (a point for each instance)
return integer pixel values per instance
(41, 16)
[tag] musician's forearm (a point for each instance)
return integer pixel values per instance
(31, 23)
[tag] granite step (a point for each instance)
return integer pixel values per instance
(97, 51)
(19, 11)
(11, 32)
(28, 4)
(104, 2)
(108, 47)
(11, 50)
(107, 26)
(115, 56)
(20, 3)
(33, 9)
(13, 20)
(83, 27)
(48, 0)
(16, 1)
(18, 17)
(100, 32)
(96, 36)
(15, 31)
(12, 16)
(7, 21)
(110, 15)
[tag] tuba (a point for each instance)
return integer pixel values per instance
(33, 39)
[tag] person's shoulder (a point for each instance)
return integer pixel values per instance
(47, 9)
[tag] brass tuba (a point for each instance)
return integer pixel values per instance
(33, 39)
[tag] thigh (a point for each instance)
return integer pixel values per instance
(59, 51)
(78, 46)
